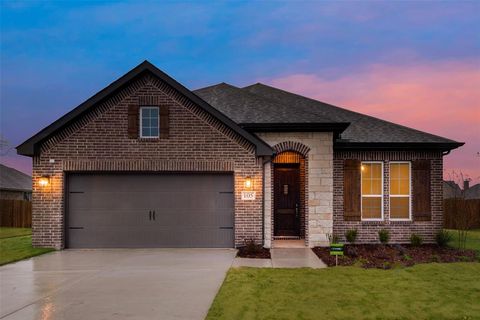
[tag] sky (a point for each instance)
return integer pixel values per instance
(413, 63)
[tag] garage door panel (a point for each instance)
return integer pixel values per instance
(191, 210)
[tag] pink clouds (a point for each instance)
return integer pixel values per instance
(442, 98)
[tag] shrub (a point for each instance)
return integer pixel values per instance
(333, 238)
(416, 240)
(384, 236)
(251, 247)
(443, 238)
(351, 235)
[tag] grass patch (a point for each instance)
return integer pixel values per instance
(18, 248)
(14, 232)
(427, 291)
(473, 239)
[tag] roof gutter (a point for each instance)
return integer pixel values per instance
(396, 146)
(336, 127)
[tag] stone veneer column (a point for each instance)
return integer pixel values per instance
(319, 167)
(267, 205)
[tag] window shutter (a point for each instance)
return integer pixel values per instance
(351, 190)
(164, 122)
(133, 119)
(421, 207)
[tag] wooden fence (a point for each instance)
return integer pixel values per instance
(15, 213)
(452, 219)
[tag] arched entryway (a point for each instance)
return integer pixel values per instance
(289, 214)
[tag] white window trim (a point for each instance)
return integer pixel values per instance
(370, 195)
(403, 195)
(140, 120)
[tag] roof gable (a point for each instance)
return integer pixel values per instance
(30, 146)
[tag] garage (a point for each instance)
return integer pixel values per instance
(149, 210)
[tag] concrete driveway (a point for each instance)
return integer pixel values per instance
(114, 284)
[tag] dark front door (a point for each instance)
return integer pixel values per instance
(286, 200)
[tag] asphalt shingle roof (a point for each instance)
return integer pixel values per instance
(11, 179)
(260, 103)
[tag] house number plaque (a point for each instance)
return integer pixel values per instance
(249, 195)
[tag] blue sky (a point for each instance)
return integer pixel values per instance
(54, 55)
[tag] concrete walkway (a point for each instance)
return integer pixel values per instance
(284, 258)
(114, 284)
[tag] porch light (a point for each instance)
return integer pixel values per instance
(44, 181)
(248, 183)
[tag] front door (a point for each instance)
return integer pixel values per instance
(286, 200)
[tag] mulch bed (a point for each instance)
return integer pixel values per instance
(388, 256)
(258, 252)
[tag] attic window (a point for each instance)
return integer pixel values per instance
(149, 122)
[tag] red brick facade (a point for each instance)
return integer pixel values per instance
(98, 141)
(400, 231)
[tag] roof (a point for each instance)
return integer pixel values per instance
(473, 192)
(12, 179)
(261, 104)
(30, 146)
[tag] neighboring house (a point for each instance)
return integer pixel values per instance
(473, 192)
(451, 190)
(14, 185)
(148, 163)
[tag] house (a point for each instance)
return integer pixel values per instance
(14, 185)
(472, 192)
(148, 163)
(451, 190)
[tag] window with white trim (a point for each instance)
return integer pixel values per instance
(372, 190)
(400, 191)
(149, 122)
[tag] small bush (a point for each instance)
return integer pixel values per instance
(416, 240)
(251, 247)
(384, 236)
(351, 235)
(443, 238)
(333, 238)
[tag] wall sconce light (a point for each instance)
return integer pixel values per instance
(248, 183)
(44, 181)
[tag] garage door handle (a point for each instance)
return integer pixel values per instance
(75, 228)
(149, 215)
(231, 228)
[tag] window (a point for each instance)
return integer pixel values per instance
(372, 190)
(400, 181)
(149, 124)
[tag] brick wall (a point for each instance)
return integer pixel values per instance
(400, 231)
(98, 141)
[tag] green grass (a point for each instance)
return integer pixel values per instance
(473, 239)
(426, 291)
(17, 246)
(14, 232)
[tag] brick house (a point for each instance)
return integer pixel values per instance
(148, 163)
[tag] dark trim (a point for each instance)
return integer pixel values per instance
(30, 146)
(440, 146)
(336, 127)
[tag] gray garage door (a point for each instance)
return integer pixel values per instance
(149, 210)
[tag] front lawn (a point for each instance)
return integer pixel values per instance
(15, 248)
(473, 239)
(14, 232)
(426, 291)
